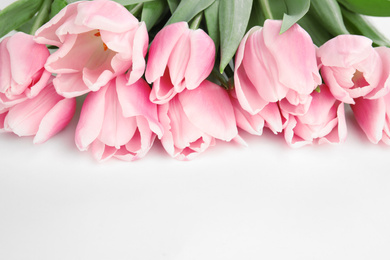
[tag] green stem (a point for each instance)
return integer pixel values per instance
(220, 78)
(137, 9)
(266, 9)
(195, 22)
(41, 17)
(229, 72)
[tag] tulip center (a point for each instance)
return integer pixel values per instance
(104, 45)
(358, 80)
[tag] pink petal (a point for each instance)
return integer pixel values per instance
(202, 58)
(161, 48)
(134, 101)
(102, 152)
(140, 47)
(24, 118)
(105, 15)
(371, 116)
(261, 69)
(70, 85)
(209, 108)
(162, 90)
(55, 120)
(345, 50)
(91, 119)
(178, 60)
(383, 86)
(116, 129)
(297, 64)
(47, 34)
(20, 47)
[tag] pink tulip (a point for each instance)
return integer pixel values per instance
(269, 117)
(179, 58)
(324, 121)
(352, 68)
(42, 116)
(97, 41)
(22, 74)
(373, 116)
(118, 121)
(273, 67)
(193, 119)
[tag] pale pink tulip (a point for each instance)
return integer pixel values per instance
(97, 41)
(273, 67)
(41, 116)
(193, 119)
(324, 122)
(118, 121)
(22, 74)
(179, 58)
(269, 117)
(373, 116)
(352, 68)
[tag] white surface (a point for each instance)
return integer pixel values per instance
(266, 201)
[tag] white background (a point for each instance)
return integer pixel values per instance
(265, 201)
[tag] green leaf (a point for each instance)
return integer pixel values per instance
(296, 9)
(57, 6)
(329, 14)
(233, 21)
(42, 16)
(16, 14)
(173, 5)
(358, 24)
(128, 2)
(188, 10)
(318, 33)
(211, 16)
(152, 11)
(273, 9)
(368, 7)
(257, 17)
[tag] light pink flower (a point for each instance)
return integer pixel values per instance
(22, 74)
(269, 116)
(42, 116)
(193, 119)
(352, 68)
(97, 41)
(373, 116)
(273, 67)
(179, 58)
(118, 121)
(324, 121)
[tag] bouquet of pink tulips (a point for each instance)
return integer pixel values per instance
(190, 72)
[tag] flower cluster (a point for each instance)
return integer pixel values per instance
(135, 95)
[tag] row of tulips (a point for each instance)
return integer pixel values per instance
(101, 52)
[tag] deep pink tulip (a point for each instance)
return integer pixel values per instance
(179, 58)
(97, 41)
(42, 116)
(269, 117)
(273, 67)
(118, 121)
(193, 119)
(352, 68)
(324, 122)
(22, 74)
(373, 116)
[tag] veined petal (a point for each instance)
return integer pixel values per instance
(91, 119)
(371, 116)
(161, 49)
(208, 107)
(55, 120)
(201, 61)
